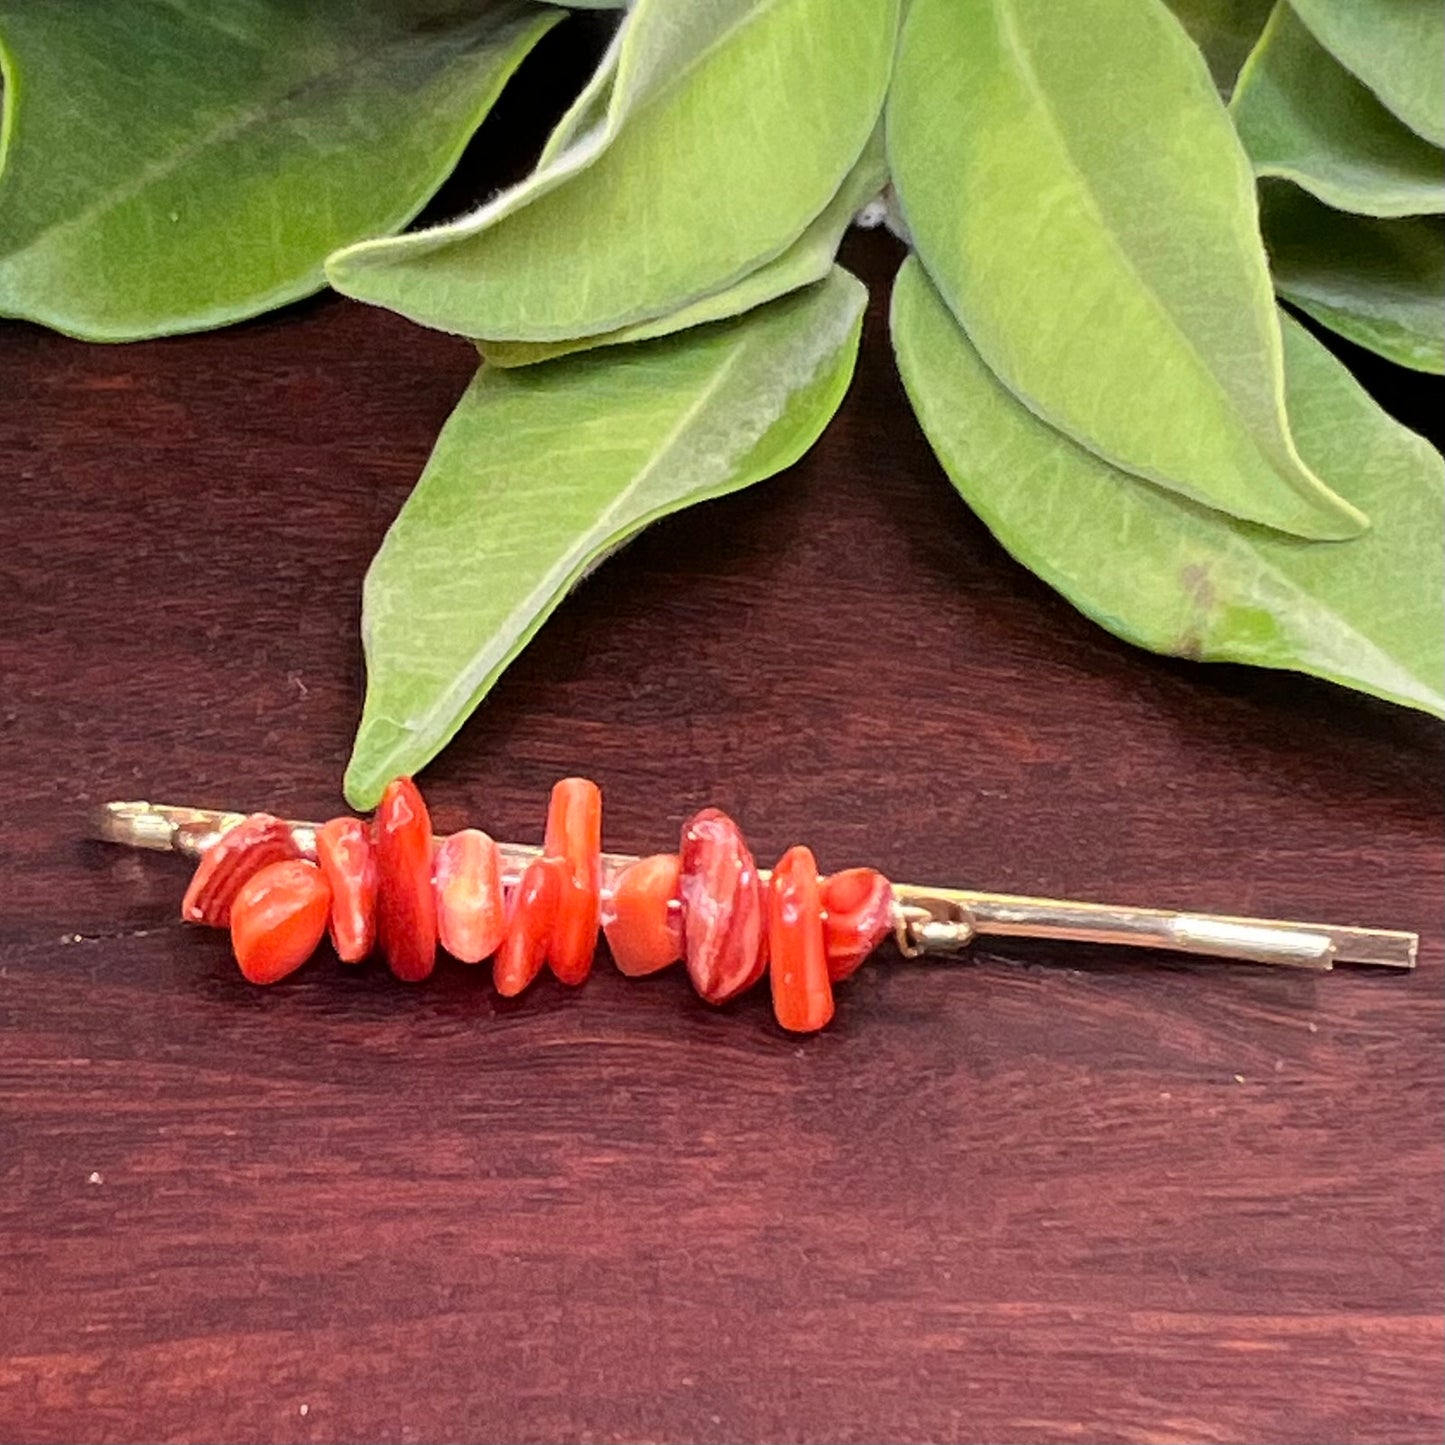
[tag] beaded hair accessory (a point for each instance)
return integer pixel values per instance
(391, 886)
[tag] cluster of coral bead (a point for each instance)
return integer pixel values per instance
(390, 885)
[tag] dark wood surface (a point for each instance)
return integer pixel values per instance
(1050, 1195)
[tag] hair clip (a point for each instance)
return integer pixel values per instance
(281, 886)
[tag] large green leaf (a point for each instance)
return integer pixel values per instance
(542, 471)
(808, 259)
(1075, 188)
(1225, 30)
(174, 164)
(1303, 116)
(1379, 283)
(728, 127)
(1179, 578)
(1395, 47)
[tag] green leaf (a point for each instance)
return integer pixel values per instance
(1074, 186)
(1178, 578)
(543, 471)
(808, 259)
(1379, 283)
(1225, 30)
(706, 166)
(170, 165)
(1303, 116)
(1395, 47)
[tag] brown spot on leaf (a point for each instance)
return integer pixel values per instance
(1198, 587)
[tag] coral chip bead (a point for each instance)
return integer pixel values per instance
(529, 929)
(642, 920)
(347, 859)
(858, 907)
(277, 919)
(234, 857)
(406, 911)
(574, 834)
(471, 907)
(722, 904)
(798, 967)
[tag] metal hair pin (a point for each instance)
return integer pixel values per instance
(279, 884)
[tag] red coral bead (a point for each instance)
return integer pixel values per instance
(277, 919)
(471, 907)
(642, 919)
(858, 904)
(574, 834)
(348, 861)
(722, 907)
(798, 967)
(530, 927)
(235, 856)
(406, 911)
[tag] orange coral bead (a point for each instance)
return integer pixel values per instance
(530, 927)
(234, 857)
(574, 834)
(277, 919)
(722, 900)
(471, 907)
(858, 906)
(348, 861)
(802, 994)
(406, 910)
(643, 918)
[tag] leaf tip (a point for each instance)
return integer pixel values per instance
(366, 776)
(362, 793)
(338, 265)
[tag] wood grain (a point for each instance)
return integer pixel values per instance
(1050, 1196)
